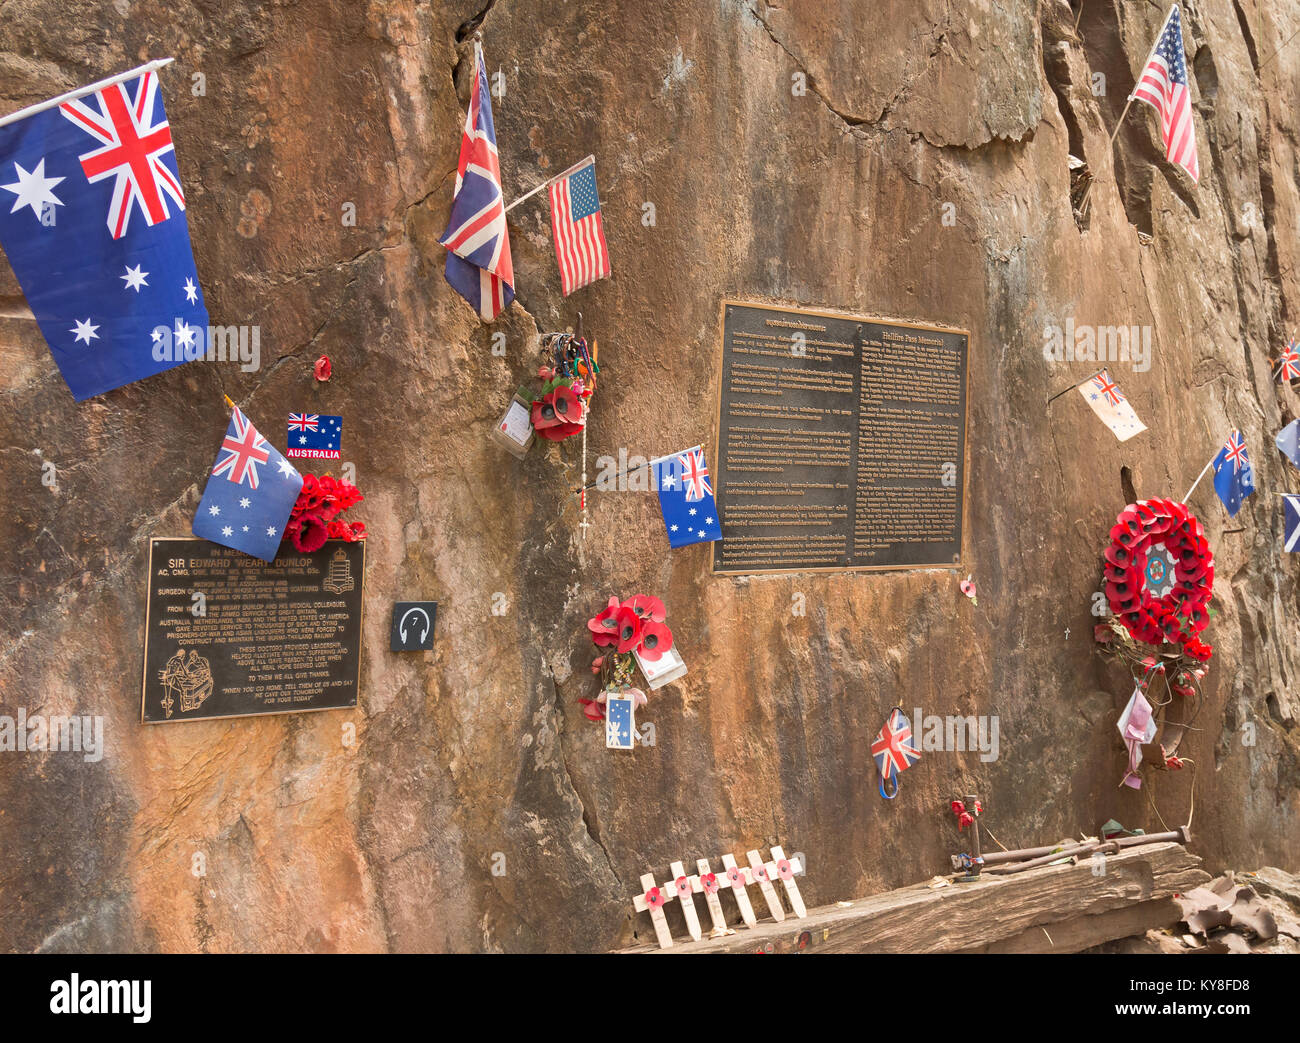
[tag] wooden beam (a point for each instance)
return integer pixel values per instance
(973, 916)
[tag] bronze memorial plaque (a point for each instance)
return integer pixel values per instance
(841, 442)
(229, 635)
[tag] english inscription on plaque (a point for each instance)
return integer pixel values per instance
(841, 442)
(227, 635)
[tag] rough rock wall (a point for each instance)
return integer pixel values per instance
(830, 198)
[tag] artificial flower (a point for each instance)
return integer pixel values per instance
(310, 533)
(646, 607)
(604, 627)
(656, 639)
(628, 625)
(322, 369)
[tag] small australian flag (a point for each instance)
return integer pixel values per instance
(314, 436)
(249, 494)
(92, 220)
(686, 498)
(1234, 477)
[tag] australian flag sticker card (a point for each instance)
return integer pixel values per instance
(92, 221)
(314, 436)
(619, 721)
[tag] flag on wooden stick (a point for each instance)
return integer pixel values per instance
(1109, 403)
(575, 223)
(1163, 85)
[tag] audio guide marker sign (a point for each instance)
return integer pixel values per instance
(413, 626)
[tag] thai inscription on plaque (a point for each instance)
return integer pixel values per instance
(228, 635)
(841, 442)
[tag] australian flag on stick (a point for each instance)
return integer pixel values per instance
(478, 259)
(1234, 478)
(249, 494)
(95, 231)
(686, 498)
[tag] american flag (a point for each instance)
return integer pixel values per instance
(1163, 85)
(478, 259)
(575, 222)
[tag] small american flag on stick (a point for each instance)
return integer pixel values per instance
(1162, 84)
(575, 221)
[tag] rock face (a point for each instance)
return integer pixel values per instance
(477, 809)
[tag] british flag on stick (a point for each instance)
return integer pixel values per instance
(1163, 85)
(478, 244)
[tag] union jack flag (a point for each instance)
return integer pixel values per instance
(478, 243)
(1108, 388)
(304, 421)
(695, 475)
(133, 139)
(242, 450)
(893, 750)
(1289, 363)
(1162, 84)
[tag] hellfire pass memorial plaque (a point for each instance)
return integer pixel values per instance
(228, 635)
(841, 442)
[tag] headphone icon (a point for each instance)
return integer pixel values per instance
(424, 631)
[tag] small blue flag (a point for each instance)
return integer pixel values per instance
(313, 436)
(1234, 478)
(1291, 541)
(1288, 440)
(249, 494)
(96, 234)
(686, 498)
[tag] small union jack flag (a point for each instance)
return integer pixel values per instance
(1108, 388)
(893, 751)
(304, 421)
(243, 449)
(695, 475)
(241, 508)
(1289, 363)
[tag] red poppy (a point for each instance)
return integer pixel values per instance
(653, 898)
(558, 414)
(656, 639)
(310, 534)
(604, 627)
(592, 710)
(323, 369)
(710, 882)
(647, 607)
(628, 627)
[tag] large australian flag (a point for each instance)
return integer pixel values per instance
(1234, 477)
(249, 494)
(686, 498)
(95, 231)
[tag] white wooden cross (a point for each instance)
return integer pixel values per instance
(711, 885)
(737, 877)
(785, 868)
(764, 881)
(653, 900)
(686, 887)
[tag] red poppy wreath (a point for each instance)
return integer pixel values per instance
(1160, 574)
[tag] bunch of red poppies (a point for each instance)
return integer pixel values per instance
(315, 517)
(560, 409)
(624, 628)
